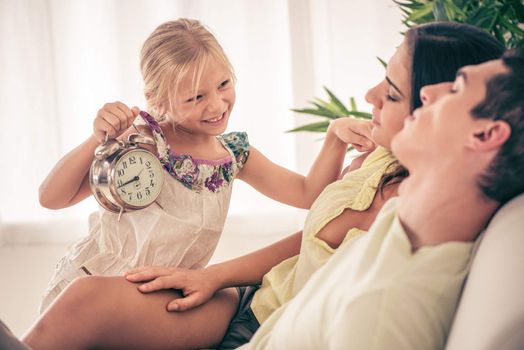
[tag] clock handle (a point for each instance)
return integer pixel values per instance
(120, 213)
(109, 147)
(139, 138)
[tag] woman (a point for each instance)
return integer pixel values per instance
(109, 312)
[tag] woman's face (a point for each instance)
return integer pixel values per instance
(391, 98)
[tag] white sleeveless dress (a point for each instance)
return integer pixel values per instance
(181, 230)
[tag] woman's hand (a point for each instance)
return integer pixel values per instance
(113, 119)
(197, 286)
(356, 132)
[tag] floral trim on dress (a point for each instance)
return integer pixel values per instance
(199, 174)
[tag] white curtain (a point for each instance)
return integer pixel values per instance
(61, 60)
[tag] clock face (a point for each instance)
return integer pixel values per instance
(138, 178)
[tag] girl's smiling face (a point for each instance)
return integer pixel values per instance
(391, 98)
(204, 111)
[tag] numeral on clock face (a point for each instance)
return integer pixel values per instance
(138, 178)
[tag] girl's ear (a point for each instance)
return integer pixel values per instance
(489, 135)
(148, 96)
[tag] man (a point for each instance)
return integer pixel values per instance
(398, 286)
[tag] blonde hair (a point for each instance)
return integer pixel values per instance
(169, 53)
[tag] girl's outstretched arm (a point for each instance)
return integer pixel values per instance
(68, 182)
(199, 286)
(301, 191)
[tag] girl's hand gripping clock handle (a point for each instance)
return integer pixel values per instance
(113, 119)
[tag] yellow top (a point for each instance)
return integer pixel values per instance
(355, 191)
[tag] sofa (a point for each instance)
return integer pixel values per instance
(490, 314)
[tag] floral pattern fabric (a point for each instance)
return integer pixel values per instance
(198, 174)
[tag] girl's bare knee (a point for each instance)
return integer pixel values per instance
(80, 309)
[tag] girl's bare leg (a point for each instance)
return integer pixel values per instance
(109, 312)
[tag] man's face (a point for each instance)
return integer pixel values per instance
(443, 125)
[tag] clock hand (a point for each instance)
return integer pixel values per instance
(136, 178)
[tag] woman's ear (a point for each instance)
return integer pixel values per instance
(489, 135)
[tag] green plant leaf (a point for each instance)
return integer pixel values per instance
(440, 11)
(328, 113)
(313, 127)
(382, 62)
(362, 115)
(511, 27)
(453, 11)
(518, 9)
(353, 104)
(336, 101)
(479, 17)
(335, 109)
(502, 18)
(314, 112)
(409, 4)
(461, 4)
(425, 11)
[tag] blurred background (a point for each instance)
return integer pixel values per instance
(60, 61)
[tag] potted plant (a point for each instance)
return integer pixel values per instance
(502, 18)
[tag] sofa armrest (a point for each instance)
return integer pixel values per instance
(490, 313)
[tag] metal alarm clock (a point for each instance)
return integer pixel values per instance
(125, 176)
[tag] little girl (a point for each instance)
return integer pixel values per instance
(189, 88)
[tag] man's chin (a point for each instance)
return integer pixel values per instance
(402, 186)
(402, 148)
(396, 145)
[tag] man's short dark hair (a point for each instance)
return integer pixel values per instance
(504, 179)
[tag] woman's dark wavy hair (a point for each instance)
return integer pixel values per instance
(504, 178)
(437, 51)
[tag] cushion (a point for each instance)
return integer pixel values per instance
(490, 313)
(8, 340)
